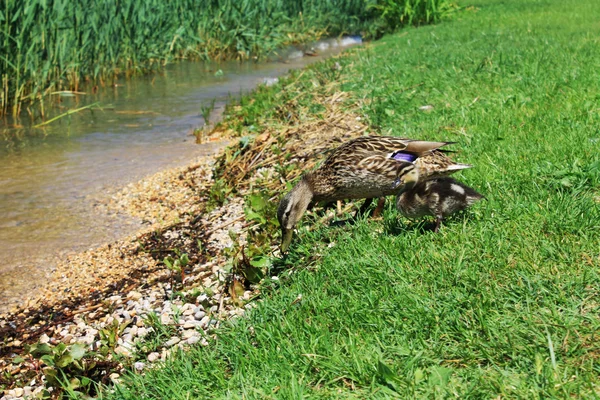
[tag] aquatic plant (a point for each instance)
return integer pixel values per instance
(47, 46)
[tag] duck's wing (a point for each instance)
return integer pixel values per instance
(381, 165)
(420, 147)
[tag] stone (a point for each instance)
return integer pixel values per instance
(115, 299)
(189, 333)
(165, 319)
(87, 339)
(122, 350)
(44, 338)
(139, 366)
(152, 357)
(204, 321)
(193, 340)
(190, 325)
(133, 295)
(173, 341)
(141, 332)
(199, 315)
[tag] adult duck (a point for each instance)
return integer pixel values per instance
(363, 168)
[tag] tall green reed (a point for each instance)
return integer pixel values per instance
(50, 45)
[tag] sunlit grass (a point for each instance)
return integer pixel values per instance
(503, 302)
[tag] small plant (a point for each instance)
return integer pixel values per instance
(71, 369)
(109, 336)
(206, 110)
(177, 263)
(157, 334)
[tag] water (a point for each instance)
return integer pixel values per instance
(48, 175)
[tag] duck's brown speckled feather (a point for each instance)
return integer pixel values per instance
(364, 167)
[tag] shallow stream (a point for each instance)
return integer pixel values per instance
(49, 175)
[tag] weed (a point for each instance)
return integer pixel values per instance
(178, 263)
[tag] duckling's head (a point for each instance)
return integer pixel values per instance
(291, 208)
(408, 176)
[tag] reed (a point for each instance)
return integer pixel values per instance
(51, 45)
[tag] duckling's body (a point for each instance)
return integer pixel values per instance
(366, 167)
(439, 197)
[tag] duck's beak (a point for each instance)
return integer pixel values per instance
(286, 238)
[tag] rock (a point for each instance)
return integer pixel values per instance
(199, 315)
(214, 308)
(27, 391)
(122, 350)
(189, 333)
(133, 295)
(202, 298)
(115, 299)
(139, 366)
(87, 339)
(193, 340)
(173, 341)
(165, 319)
(190, 324)
(91, 332)
(204, 321)
(152, 357)
(67, 339)
(141, 332)
(44, 338)
(18, 392)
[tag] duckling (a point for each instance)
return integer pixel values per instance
(439, 196)
(363, 168)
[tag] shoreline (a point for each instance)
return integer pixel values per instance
(127, 281)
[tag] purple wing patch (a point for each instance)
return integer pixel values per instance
(400, 156)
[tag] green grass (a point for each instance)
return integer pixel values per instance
(504, 301)
(61, 44)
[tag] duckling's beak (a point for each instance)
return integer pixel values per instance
(286, 238)
(397, 183)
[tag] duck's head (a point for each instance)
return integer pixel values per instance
(291, 208)
(408, 176)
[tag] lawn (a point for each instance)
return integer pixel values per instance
(504, 301)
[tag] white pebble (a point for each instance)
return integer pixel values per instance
(153, 357)
(165, 319)
(141, 332)
(189, 333)
(193, 340)
(133, 295)
(173, 341)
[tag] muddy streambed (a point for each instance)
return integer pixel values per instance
(51, 177)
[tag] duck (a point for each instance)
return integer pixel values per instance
(366, 167)
(438, 196)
